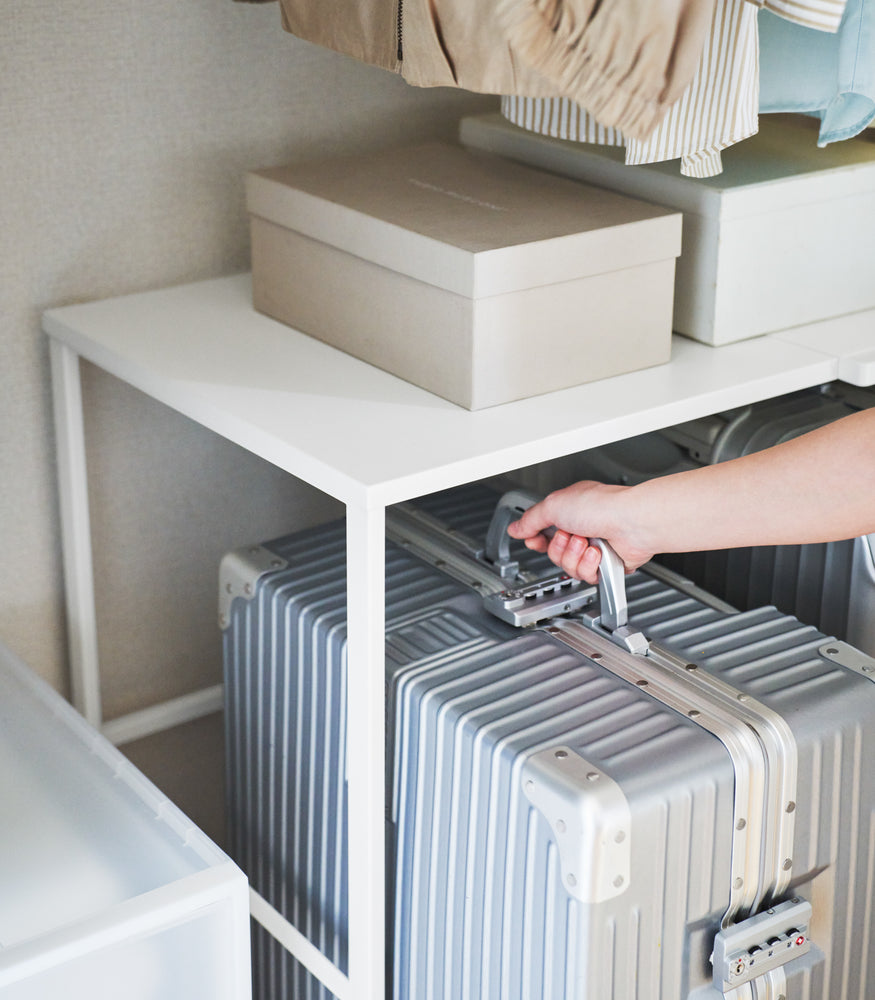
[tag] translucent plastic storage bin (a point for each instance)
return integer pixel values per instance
(106, 889)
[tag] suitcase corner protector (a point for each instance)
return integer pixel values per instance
(239, 573)
(590, 818)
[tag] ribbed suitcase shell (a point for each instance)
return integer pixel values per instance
(480, 910)
(285, 718)
(830, 585)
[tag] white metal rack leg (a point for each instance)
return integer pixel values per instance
(366, 776)
(79, 573)
(365, 723)
(76, 532)
(296, 944)
(366, 749)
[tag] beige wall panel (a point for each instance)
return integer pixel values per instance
(127, 128)
(168, 499)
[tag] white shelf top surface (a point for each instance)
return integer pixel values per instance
(369, 438)
(849, 339)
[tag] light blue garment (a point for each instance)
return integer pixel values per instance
(815, 72)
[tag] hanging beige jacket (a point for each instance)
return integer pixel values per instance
(626, 61)
(718, 109)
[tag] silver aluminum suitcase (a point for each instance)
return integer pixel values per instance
(586, 808)
(830, 585)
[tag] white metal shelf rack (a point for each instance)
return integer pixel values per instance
(369, 440)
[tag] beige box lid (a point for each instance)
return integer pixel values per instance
(470, 222)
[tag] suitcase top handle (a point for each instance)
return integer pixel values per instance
(612, 572)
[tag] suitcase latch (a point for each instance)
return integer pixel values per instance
(849, 657)
(528, 604)
(763, 942)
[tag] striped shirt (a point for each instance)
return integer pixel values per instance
(719, 108)
(822, 15)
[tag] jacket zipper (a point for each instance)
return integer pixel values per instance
(399, 31)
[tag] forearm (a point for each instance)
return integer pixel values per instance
(818, 487)
(815, 488)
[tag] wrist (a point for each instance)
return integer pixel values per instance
(633, 509)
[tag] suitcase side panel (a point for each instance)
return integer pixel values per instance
(285, 666)
(831, 711)
(278, 713)
(487, 862)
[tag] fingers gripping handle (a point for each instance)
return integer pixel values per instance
(612, 572)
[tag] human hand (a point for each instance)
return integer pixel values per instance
(580, 512)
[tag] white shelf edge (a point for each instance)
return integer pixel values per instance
(393, 441)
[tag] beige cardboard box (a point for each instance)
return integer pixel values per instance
(479, 279)
(783, 237)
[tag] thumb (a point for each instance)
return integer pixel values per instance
(532, 523)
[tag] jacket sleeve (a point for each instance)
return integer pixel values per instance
(625, 61)
(368, 30)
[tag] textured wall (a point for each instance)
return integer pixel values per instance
(126, 128)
